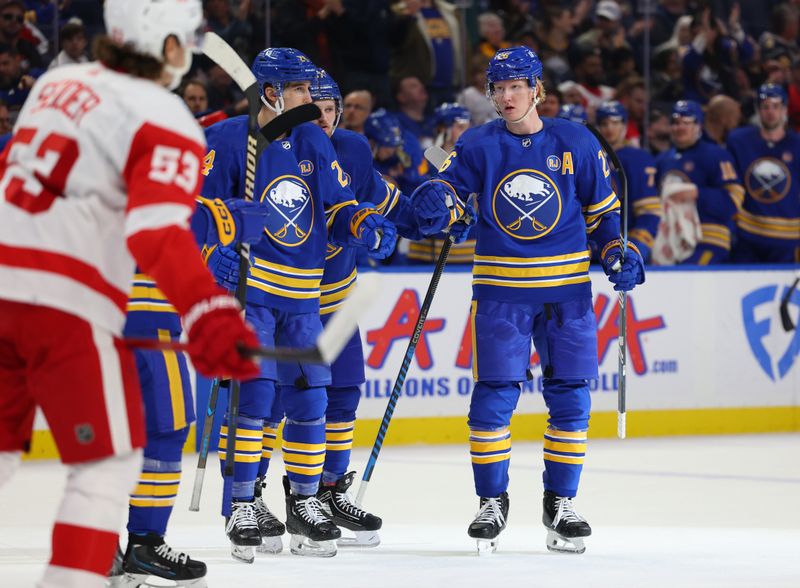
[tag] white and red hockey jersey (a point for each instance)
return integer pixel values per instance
(96, 157)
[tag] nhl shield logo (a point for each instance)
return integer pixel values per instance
(289, 198)
(526, 142)
(526, 204)
(84, 433)
(768, 180)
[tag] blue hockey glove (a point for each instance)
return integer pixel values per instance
(229, 222)
(432, 203)
(223, 263)
(372, 231)
(251, 218)
(460, 229)
(624, 274)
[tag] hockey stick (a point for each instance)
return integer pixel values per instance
(257, 140)
(202, 457)
(622, 339)
(434, 157)
(786, 319)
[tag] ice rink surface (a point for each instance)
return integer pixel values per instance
(689, 512)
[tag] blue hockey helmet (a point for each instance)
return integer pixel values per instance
(771, 91)
(688, 109)
(574, 112)
(278, 66)
(515, 63)
(449, 113)
(611, 109)
(383, 128)
(324, 87)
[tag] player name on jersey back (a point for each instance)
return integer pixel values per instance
(96, 157)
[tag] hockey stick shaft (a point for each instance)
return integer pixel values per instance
(401, 376)
(205, 439)
(622, 339)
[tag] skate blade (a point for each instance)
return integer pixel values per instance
(147, 581)
(243, 553)
(487, 546)
(301, 545)
(362, 539)
(561, 544)
(270, 545)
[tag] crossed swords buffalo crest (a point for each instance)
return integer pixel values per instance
(526, 204)
(290, 199)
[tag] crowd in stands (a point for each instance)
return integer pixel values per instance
(400, 60)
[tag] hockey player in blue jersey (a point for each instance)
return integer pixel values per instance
(644, 208)
(573, 112)
(347, 371)
(712, 182)
(397, 153)
(767, 158)
(300, 180)
(543, 191)
(451, 120)
(169, 405)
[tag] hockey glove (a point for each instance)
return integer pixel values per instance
(460, 229)
(229, 222)
(216, 329)
(223, 263)
(372, 231)
(624, 274)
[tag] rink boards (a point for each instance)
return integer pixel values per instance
(707, 354)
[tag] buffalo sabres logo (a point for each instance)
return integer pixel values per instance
(503, 55)
(526, 204)
(768, 180)
(332, 251)
(289, 198)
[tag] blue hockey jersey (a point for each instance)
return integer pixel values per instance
(720, 194)
(770, 214)
(644, 210)
(355, 156)
(540, 197)
(300, 179)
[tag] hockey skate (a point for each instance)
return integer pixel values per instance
(149, 561)
(312, 532)
(242, 530)
(269, 526)
(340, 508)
(489, 522)
(565, 527)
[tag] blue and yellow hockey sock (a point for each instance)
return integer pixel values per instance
(303, 454)
(247, 455)
(491, 454)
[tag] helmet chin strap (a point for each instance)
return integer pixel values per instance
(176, 73)
(533, 105)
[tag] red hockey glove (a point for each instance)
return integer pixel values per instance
(215, 329)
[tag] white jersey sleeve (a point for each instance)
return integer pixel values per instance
(96, 157)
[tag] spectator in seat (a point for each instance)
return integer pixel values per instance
(12, 33)
(195, 96)
(357, 107)
(73, 42)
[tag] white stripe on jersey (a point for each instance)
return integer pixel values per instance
(156, 216)
(113, 391)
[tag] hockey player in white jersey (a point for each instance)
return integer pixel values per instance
(101, 174)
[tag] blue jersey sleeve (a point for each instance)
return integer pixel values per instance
(221, 165)
(598, 200)
(645, 203)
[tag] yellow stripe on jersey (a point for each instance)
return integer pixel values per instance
(428, 250)
(736, 192)
(146, 297)
(285, 281)
(717, 235)
(650, 205)
(175, 383)
(769, 226)
(332, 211)
(643, 236)
(472, 312)
(531, 272)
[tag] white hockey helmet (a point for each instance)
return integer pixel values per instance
(146, 24)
